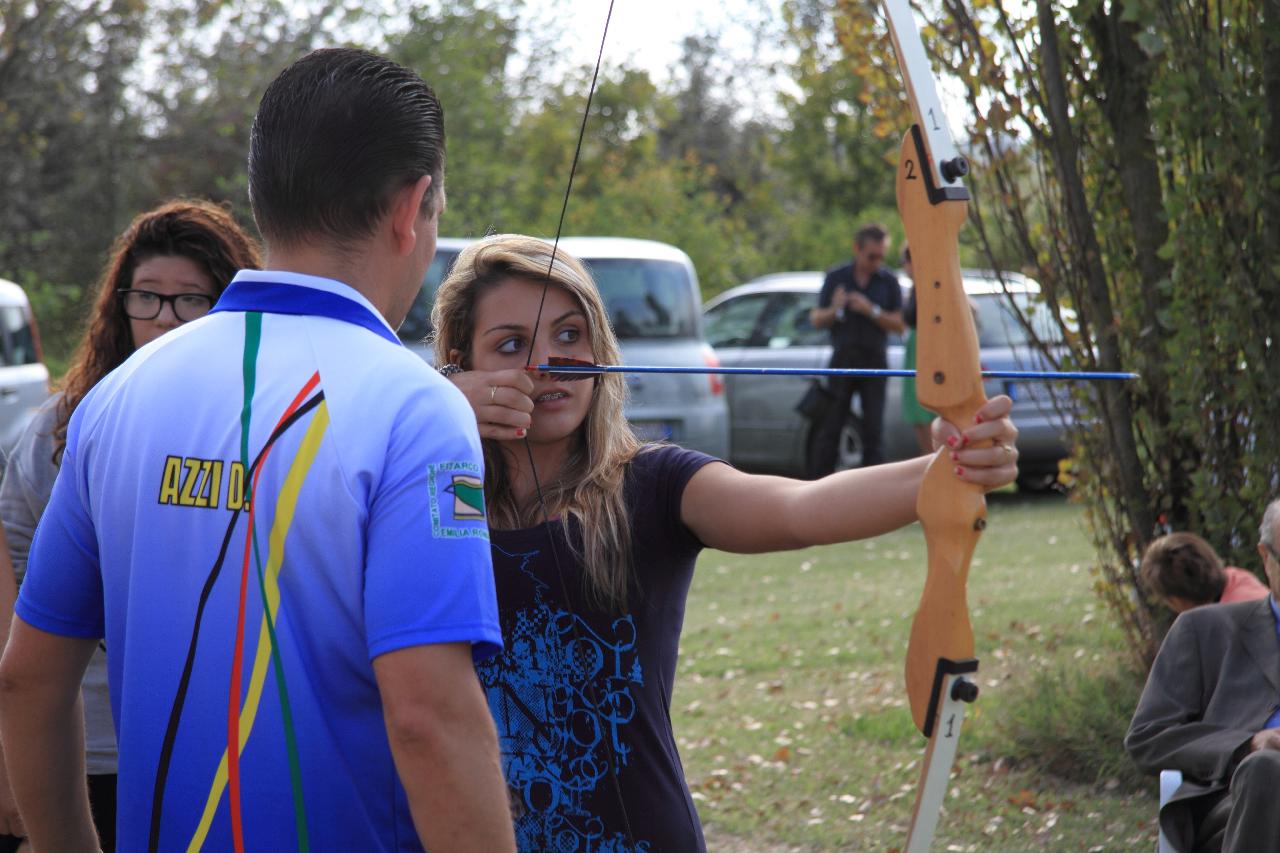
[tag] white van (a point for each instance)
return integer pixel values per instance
(24, 380)
(650, 290)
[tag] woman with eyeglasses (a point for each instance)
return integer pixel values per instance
(166, 269)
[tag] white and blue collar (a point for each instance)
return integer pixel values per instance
(282, 292)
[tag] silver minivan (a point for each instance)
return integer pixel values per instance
(765, 323)
(651, 292)
(24, 380)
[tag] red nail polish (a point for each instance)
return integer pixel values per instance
(959, 471)
(951, 441)
(520, 433)
(955, 457)
(977, 419)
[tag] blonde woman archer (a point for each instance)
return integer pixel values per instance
(595, 535)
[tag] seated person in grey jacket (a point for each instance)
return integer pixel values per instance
(1210, 709)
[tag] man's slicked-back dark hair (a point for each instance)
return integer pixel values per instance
(337, 134)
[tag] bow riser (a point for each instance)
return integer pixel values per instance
(949, 382)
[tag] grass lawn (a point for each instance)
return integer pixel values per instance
(790, 707)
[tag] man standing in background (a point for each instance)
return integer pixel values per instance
(861, 303)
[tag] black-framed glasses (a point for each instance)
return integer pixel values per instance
(146, 304)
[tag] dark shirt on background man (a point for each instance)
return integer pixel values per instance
(857, 331)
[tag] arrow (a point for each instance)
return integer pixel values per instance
(571, 369)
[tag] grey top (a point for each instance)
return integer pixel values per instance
(1213, 685)
(24, 493)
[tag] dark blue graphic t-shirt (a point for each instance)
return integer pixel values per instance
(582, 696)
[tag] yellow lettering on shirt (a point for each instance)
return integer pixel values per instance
(235, 486)
(170, 480)
(195, 482)
(189, 481)
(214, 482)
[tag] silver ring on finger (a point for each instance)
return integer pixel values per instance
(493, 390)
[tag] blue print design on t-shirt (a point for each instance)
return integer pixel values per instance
(556, 693)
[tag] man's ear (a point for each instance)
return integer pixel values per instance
(405, 209)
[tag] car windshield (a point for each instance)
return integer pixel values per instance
(22, 345)
(417, 325)
(999, 326)
(647, 299)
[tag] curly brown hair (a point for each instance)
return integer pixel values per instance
(1183, 565)
(201, 231)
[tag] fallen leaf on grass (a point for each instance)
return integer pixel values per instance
(1024, 799)
(783, 754)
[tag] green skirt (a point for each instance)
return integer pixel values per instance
(912, 412)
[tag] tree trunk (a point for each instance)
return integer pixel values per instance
(1115, 399)
(1125, 75)
(1271, 144)
(1270, 284)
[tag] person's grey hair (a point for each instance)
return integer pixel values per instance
(1266, 530)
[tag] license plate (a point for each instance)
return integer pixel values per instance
(654, 430)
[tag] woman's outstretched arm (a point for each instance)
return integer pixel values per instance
(750, 513)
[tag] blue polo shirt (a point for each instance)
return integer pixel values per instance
(250, 510)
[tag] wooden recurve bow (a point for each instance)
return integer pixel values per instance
(933, 204)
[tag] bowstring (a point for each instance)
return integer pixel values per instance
(528, 446)
(573, 171)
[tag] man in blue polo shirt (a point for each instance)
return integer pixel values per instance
(261, 514)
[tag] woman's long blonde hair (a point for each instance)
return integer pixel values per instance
(590, 487)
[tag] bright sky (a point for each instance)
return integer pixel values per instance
(648, 33)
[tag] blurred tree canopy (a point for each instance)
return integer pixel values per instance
(108, 107)
(1127, 155)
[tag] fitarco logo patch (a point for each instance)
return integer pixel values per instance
(457, 500)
